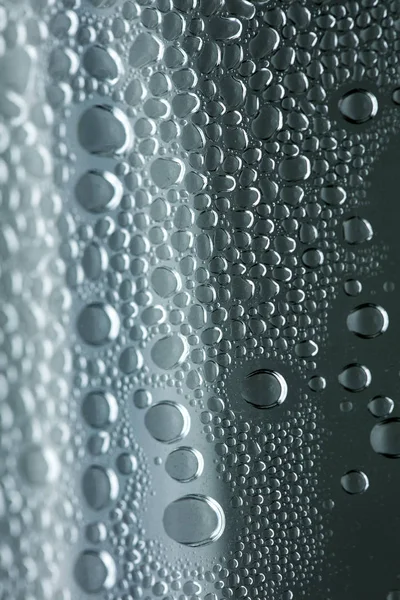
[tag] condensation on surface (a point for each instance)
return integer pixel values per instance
(199, 246)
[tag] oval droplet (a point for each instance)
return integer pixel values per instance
(194, 520)
(358, 106)
(104, 130)
(368, 321)
(264, 388)
(99, 409)
(355, 377)
(98, 191)
(100, 486)
(385, 437)
(98, 324)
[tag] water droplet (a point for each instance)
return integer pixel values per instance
(385, 438)
(99, 409)
(354, 482)
(355, 377)
(98, 191)
(194, 520)
(169, 351)
(104, 130)
(368, 321)
(184, 464)
(39, 465)
(357, 230)
(100, 486)
(358, 106)
(165, 172)
(165, 281)
(146, 49)
(95, 571)
(264, 388)
(167, 421)
(380, 406)
(102, 63)
(98, 324)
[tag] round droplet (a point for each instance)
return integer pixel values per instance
(264, 388)
(355, 377)
(98, 191)
(368, 321)
(169, 351)
(396, 100)
(358, 106)
(100, 486)
(184, 464)
(95, 571)
(126, 463)
(380, 406)
(167, 422)
(104, 130)
(194, 520)
(394, 594)
(165, 281)
(100, 409)
(385, 438)
(98, 324)
(354, 482)
(39, 465)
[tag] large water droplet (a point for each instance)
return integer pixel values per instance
(98, 191)
(95, 571)
(100, 409)
(167, 422)
(264, 388)
(39, 465)
(98, 324)
(380, 406)
(105, 130)
(354, 482)
(169, 351)
(355, 377)
(165, 281)
(368, 320)
(194, 520)
(100, 486)
(165, 172)
(184, 464)
(358, 106)
(385, 438)
(357, 230)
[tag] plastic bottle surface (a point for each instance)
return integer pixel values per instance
(199, 298)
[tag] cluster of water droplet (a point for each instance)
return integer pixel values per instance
(212, 162)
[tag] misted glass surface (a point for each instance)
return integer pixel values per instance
(199, 299)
